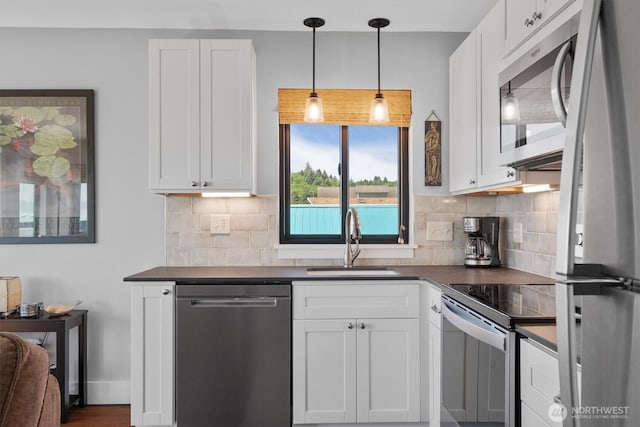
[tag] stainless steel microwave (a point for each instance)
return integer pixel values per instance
(534, 97)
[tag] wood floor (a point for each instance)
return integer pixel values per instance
(99, 416)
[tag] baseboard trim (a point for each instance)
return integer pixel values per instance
(108, 392)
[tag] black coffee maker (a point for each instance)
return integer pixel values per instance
(481, 249)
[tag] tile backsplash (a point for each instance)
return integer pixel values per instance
(254, 231)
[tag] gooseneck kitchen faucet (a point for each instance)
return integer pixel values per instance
(352, 233)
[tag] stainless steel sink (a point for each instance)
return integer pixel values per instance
(351, 271)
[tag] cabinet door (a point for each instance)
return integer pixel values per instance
(174, 114)
(152, 342)
(324, 371)
(463, 98)
(519, 15)
(227, 88)
(435, 372)
(490, 49)
(388, 370)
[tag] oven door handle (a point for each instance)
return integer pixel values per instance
(556, 83)
(480, 329)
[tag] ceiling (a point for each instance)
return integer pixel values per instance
(273, 15)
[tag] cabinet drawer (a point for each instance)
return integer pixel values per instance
(336, 300)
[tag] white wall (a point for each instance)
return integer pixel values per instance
(130, 221)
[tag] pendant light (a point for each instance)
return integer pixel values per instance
(313, 112)
(379, 112)
(510, 107)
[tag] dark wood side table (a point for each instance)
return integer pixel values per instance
(61, 325)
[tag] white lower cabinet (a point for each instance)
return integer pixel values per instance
(356, 369)
(539, 383)
(152, 350)
(435, 355)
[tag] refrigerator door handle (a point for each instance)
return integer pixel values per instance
(572, 153)
(556, 83)
(567, 357)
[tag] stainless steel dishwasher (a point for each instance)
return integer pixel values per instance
(233, 355)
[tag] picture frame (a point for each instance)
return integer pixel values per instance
(47, 177)
(433, 150)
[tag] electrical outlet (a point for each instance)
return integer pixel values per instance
(439, 231)
(517, 232)
(220, 224)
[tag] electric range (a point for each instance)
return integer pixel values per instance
(507, 305)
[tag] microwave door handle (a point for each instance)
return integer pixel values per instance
(556, 83)
(471, 326)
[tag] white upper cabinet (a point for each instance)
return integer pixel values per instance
(202, 116)
(490, 49)
(525, 17)
(475, 109)
(463, 99)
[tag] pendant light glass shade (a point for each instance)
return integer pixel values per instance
(313, 112)
(510, 107)
(379, 112)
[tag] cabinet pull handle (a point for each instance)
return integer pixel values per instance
(350, 325)
(435, 309)
(362, 326)
(194, 184)
(165, 292)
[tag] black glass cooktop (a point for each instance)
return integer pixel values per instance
(508, 304)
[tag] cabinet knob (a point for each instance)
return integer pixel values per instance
(536, 16)
(350, 325)
(361, 325)
(165, 292)
(204, 184)
(435, 309)
(528, 22)
(556, 398)
(472, 182)
(194, 183)
(510, 174)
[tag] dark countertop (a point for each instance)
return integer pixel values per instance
(435, 273)
(545, 334)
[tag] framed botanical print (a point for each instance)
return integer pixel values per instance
(47, 166)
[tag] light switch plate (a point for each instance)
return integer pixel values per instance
(220, 224)
(437, 230)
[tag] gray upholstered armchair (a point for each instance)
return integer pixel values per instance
(29, 394)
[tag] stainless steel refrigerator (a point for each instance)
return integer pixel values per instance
(598, 249)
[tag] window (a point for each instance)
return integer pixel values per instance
(344, 162)
(328, 168)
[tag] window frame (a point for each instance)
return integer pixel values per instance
(284, 187)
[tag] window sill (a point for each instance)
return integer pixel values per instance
(380, 251)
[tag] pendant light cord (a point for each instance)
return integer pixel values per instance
(313, 72)
(378, 60)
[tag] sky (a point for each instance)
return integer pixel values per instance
(373, 150)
